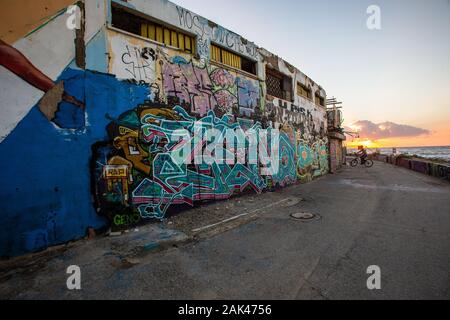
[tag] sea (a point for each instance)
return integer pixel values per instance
(425, 152)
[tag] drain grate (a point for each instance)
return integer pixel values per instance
(305, 216)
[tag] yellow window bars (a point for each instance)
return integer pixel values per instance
(168, 36)
(303, 91)
(226, 57)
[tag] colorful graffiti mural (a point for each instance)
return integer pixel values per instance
(138, 170)
(103, 107)
(208, 88)
(312, 160)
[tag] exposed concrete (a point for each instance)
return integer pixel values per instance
(80, 45)
(400, 223)
(49, 103)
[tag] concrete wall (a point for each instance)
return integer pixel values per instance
(431, 168)
(46, 140)
(95, 150)
(337, 155)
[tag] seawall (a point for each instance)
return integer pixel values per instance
(425, 166)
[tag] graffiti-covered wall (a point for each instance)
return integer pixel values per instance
(136, 174)
(89, 125)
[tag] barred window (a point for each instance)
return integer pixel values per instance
(304, 91)
(168, 36)
(320, 101)
(278, 85)
(231, 59)
(123, 19)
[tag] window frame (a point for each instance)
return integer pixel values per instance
(319, 100)
(306, 89)
(283, 79)
(226, 54)
(161, 30)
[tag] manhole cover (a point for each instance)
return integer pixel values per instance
(305, 216)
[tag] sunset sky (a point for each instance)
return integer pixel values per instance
(394, 82)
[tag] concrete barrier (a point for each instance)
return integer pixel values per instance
(444, 172)
(437, 170)
(402, 162)
(392, 159)
(419, 166)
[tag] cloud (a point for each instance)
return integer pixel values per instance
(373, 131)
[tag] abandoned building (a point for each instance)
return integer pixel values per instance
(336, 135)
(90, 94)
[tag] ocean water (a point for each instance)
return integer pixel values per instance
(425, 152)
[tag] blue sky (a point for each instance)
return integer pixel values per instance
(400, 73)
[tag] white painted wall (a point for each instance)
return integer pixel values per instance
(190, 22)
(96, 12)
(50, 49)
(126, 60)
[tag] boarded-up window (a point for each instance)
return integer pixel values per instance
(304, 91)
(231, 59)
(278, 85)
(123, 19)
(168, 36)
(320, 101)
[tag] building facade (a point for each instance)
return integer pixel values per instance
(91, 97)
(336, 138)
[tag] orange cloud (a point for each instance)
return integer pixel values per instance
(373, 131)
(389, 134)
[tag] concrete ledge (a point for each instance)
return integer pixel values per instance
(428, 167)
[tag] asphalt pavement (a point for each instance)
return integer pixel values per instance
(252, 248)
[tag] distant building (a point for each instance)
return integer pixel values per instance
(336, 138)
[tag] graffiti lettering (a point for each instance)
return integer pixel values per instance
(233, 41)
(126, 220)
(138, 62)
(148, 53)
(204, 89)
(206, 33)
(152, 150)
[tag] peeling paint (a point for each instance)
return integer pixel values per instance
(80, 46)
(49, 103)
(150, 90)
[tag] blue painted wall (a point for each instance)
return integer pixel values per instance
(96, 53)
(45, 194)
